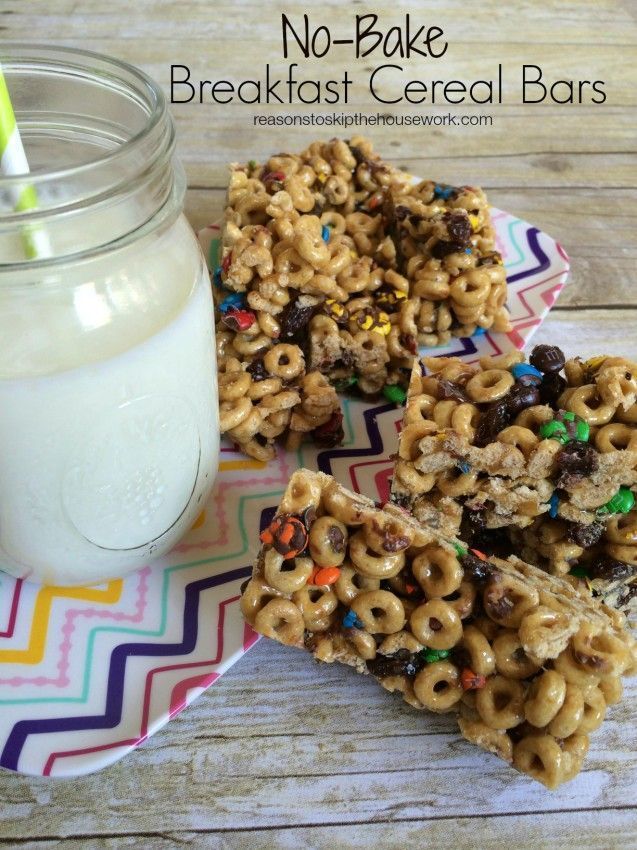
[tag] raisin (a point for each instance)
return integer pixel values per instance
(492, 421)
(459, 229)
(331, 433)
(443, 247)
(551, 388)
(627, 595)
(451, 390)
(608, 569)
(521, 396)
(401, 212)
(475, 568)
(576, 460)
(257, 370)
(401, 663)
(585, 535)
(547, 358)
(295, 317)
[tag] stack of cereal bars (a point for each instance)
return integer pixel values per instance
(334, 268)
(527, 662)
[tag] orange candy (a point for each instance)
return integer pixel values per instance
(325, 575)
(470, 681)
(479, 554)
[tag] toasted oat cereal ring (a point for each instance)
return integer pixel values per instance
(256, 594)
(387, 534)
(585, 403)
(456, 483)
(481, 656)
(569, 717)
(315, 604)
(621, 529)
(380, 611)
(413, 479)
(343, 507)
(601, 653)
(350, 583)
(594, 711)
(574, 746)
(283, 578)
(281, 620)
(510, 658)
(399, 640)
(507, 600)
(470, 289)
(437, 686)
(437, 571)
(540, 757)
(233, 385)
(302, 493)
(436, 624)
(574, 672)
(501, 702)
(371, 563)
(463, 599)
(522, 438)
(612, 689)
(284, 361)
(545, 698)
(233, 413)
(328, 542)
(495, 741)
(615, 437)
(543, 627)
(410, 437)
(489, 385)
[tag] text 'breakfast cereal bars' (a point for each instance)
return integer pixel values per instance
(527, 662)
(516, 458)
(334, 268)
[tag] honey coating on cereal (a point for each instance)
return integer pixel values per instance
(539, 458)
(344, 260)
(527, 662)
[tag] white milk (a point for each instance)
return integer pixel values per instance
(109, 432)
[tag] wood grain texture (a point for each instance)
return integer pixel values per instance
(283, 752)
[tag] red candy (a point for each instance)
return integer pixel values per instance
(470, 681)
(273, 175)
(238, 320)
(225, 263)
(479, 554)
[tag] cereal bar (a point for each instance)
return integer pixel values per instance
(335, 263)
(516, 457)
(526, 662)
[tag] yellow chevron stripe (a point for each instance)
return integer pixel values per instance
(241, 464)
(34, 652)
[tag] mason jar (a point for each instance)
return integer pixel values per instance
(109, 434)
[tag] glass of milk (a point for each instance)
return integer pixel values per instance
(109, 434)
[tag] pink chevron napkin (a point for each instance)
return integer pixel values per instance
(87, 674)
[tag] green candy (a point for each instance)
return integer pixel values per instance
(433, 655)
(621, 503)
(579, 572)
(252, 164)
(460, 550)
(583, 431)
(341, 384)
(554, 430)
(395, 393)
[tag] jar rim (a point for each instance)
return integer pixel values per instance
(20, 54)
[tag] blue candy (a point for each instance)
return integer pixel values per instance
(463, 466)
(351, 621)
(554, 501)
(521, 369)
(443, 192)
(467, 250)
(479, 332)
(325, 233)
(217, 277)
(234, 301)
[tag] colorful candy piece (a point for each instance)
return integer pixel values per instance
(479, 332)
(622, 502)
(460, 550)
(444, 192)
(433, 655)
(554, 502)
(326, 575)
(395, 393)
(526, 374)
(287, 535)
(464, 466)
(335, 310)
(234, 301)
(325, 233)
(331, 433)
(554, 430)
(225, 263)
(471, 681)
(216, 278)
(351, 621)
(370, 319)
(239, 320)
(479, 554)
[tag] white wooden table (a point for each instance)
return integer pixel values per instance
(287, 753)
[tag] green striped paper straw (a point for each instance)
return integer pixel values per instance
(13, 161)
